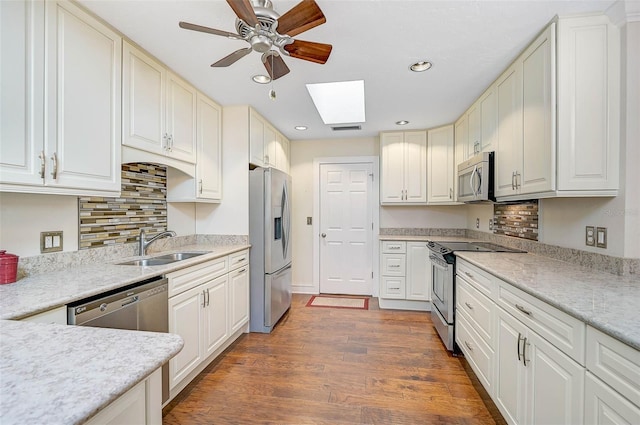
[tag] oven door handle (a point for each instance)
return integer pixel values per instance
(438, 262)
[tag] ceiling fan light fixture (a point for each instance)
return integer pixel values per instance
(261, 79)
(421, 66)
(402, 122)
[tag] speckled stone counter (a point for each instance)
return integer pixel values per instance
(412, 238)
(605, 301)
(56, 374)
(38, 293)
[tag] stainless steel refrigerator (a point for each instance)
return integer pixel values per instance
(270, 237)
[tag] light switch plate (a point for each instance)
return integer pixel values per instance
(309, 220)
(601, 237)
(590, 236)
(50, 241)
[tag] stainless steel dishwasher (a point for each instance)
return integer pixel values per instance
(142, 306)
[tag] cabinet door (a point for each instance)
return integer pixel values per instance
(511, 378)
(508, 157)
(256, 139)
(555, 392)
(239, 298)
(538, 115)
(209, 165)
(185, 319)
(282, 153)
(83, 100)
(415, 166)
(440, 157)
(143, 92)
(488, 120)
(461, 135)
(181, 119)
(214, 314)
(603, 405)
(22, 91)
(392, 167)
(418, 273)
(474, 142)
(270, 146)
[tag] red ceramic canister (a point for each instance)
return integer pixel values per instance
(8, 267)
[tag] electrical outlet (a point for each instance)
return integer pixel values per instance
(50, 241)
(309, 221)
(477, 223)
(590, 236)
(601, 237)
(490, 224)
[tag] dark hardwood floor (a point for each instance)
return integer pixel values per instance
(335, 366)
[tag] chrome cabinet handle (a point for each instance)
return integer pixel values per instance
(42, 163)
(54, 173)
(518, 348)
(200, 186)
(468, 275)
(524, 352)
(468, 346)
(204, 298)
(524, 310)
(170, 143)
(394, 265)
(513, 177)
(242, 271)
(517, 179)
(468, 305)
(165, 139)
(208, 297)
(450, 193)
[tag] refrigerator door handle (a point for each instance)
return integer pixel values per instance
(286, 221)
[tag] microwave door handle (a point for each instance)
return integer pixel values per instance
(479, 182)
(471, 183)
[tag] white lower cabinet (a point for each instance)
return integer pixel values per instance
(209, 309)
(536, 383)
(405, 278)
(603, 405)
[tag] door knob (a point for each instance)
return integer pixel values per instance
(324, 235)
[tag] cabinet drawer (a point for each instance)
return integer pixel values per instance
(479, 309)
(565, 332)
(616, 363)
(394, 247)
(483, 281)
(188, 278)
(393, 265)
(393, 287)
(239, 259)
(479, 355)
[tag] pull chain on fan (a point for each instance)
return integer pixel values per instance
(261, 27)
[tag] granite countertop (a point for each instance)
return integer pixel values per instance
(605, 301)
(411, 238)
(38, 293)
(58, 374)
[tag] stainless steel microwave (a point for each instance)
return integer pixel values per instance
(475, 179)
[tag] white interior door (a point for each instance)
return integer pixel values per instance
(346, 229)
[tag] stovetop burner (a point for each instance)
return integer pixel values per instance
(450, 247)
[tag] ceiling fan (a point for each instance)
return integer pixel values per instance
(264, 29)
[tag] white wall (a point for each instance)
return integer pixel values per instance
(231, 217)
(181, 218)
(24, 216)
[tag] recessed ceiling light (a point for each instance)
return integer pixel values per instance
(261, 79)
(300, 127)
(402, 122)
(420, 66)
(340, 102)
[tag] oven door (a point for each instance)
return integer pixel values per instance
(442, 287)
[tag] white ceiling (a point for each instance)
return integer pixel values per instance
(469, 43)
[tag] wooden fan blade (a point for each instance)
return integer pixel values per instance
(244, 11)
(274, 64)
(309, 51)
(194, 27)
(302, 17)
(232, 58)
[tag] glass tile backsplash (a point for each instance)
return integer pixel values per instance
(142, 204)
(519, 219)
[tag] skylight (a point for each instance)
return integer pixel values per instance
(340, 102)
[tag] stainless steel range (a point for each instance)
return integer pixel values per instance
(443, 273)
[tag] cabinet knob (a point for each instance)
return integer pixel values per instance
(324, 235)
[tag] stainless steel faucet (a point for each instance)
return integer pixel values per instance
(143, 243)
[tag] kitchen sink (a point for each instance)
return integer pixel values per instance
(162, 259)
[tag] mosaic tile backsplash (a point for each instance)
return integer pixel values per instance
(142, 204)
(519, 219)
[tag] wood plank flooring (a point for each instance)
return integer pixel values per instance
(335, 366)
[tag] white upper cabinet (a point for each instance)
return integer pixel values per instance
(556, 131)
(77, 151)
(267, 146)
(159, 108)
(403, 157)
(440, 165)
(588, 66)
